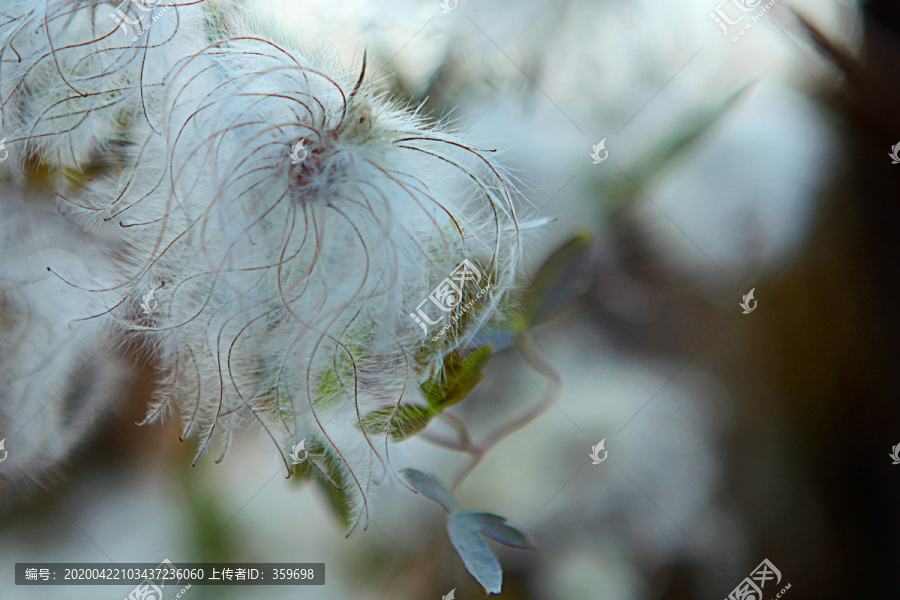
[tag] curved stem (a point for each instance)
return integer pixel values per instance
(539, 363)
(463, 443)
(465, 438)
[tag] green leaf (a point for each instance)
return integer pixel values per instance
(337, 500)
(561, 279)
(466, 531)
(431, 487)
(323, 468)
(328, 389)
(495, 527)
(459, 376)
(399, 421)
(475, 553)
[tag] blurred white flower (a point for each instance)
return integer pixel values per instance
(59, 374)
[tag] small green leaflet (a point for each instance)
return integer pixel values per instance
(431, 487)
(460, 375)
(468, 531)
(400, 421)
(562, 278)
(495, 527)
(322, 469)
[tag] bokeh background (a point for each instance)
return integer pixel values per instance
(757, 164)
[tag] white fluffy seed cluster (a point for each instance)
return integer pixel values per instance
(285, 215)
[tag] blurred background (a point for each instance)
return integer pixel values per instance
(760, 164)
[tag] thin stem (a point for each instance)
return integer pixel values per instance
(463, 443)
(460, 427)
(539, 363)
(445, 442)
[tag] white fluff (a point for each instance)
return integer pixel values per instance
(284, 289)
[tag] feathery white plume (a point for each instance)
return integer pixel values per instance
(283, 287)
